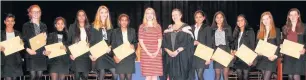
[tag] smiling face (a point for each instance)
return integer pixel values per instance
(241, 22)
(9, 22)
(219, 19)
(176, 16)
(60, 25)
(124, 22)
(266, 20)
(294, 16)
(81, 17)
(103, 14)
(35, 13)
(149, 15)
(199, 18)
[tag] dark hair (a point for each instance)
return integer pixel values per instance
(123, 15)
(203, 14)
(237, 29)
(214, 24)
(9, 15)
(299, 26)
(63, 19)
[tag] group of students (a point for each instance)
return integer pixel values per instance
(168, 54)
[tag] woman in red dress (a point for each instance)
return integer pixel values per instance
(150, 39)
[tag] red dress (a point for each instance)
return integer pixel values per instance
(150, 35)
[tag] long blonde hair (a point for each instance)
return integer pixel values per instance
(262, 29)
(98, 22)
(144, 21)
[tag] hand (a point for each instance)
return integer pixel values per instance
(108, 49)
(272, 58)
(47, 53)
(302, 51)
(72, 58)
(195, 42)
(2, 48)
(63, 47)
(207, 62)
(233, 52)
(92, 58)
(174, 53)
(117, 60)
(45, 35)
(132, 46)
(180, 49)
(30, 51)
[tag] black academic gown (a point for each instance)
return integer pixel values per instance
(248, 39)
(12, 64)
(106, 61)
(263, 63)
(293, 65)
(204, 37)
(58, 64)
(227, 47)
(126, 65)
(180, 66)
(37, 62)
(83, 62)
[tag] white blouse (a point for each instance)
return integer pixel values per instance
(10, 35)
(83, 34)
(125, 37)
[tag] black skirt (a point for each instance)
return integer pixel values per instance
(105, 62)
(81, 63)
(199, 63)
(12, 65)
(263, 63)
(59, 64)
(220, 66)
(126, 65)
(293, 65)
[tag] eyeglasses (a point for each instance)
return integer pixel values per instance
(36, 12)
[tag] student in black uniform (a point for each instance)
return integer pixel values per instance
(101, 30)
(36, 61)
(222, 38)
(201, 33)
(179, 48)
(294, 30)
(269, 33)
(80, 31)
(243, 34)
(11, 65)
(58, 66)
(126, 67)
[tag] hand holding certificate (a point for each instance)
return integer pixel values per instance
(222, 57)
(55, 50)
(123, 51)
(12, 45)
(204, 52)
(79, 49)
(265, 48)
(99, 49)
(291, 48)
(246, 54)
(38, 41)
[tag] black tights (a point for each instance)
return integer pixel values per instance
(36, 75)
(294, 77)
(81, 75)
(200, 73)
(10, 78)
(218, 74)
(125, 76)
(267, 74)
(102, 74)
(57, 76)
(243, 74)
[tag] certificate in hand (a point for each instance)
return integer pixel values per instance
(55, 50)
(12, 45)
(222, 57)
(79, 48)
(98, 49)
(123, 51)
(265, 48)
(246, 54)
(291, 48)
(38, 41)
(204, 52)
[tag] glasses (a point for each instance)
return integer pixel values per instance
(36, 12)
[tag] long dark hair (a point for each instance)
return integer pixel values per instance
(77, 25)
(203, 14)
(214, 24)
(299, 25)
(237, 29)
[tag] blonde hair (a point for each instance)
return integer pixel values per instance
(98, 22)
(145, 21)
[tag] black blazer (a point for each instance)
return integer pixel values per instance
(228, 36)
(275, 41)
(15, 56)
(204, 35)
(97, 37)
(247, 38)
(52, 38)
(28, 32)
(74, 33)
(117, 39)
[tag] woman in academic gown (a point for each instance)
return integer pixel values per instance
(178, 45)
(58, 66)
(11, 65)
(294, 30)
(80, 31)
(126, 67)
(36, 61)
(201, 33)
(101, 30)
(269, 33)
(243, 34)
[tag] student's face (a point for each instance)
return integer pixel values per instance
(266, 20)
(176, 16)
(124, 22)
(9, 22)
(294, 16)
(81, 17)
(149, 15)
(60, 25)
(240, 22)
(219, 19)
(35, 13)
(103, 14)
(199, 18)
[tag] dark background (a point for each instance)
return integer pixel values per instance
(135, 9)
